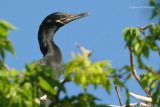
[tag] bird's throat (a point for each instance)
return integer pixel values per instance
(45, 38)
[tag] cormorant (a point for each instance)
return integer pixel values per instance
(52, 55)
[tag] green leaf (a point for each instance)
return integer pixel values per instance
(137, 48)
(155, 32)
(5, 44)
(136, 32)
(127, 36)
(145, 51)
(7, 25)
(118, 82)
(46, 86)
(156, 95)
(126, 67)
(144, 81)
(151, 2)
(152, 85)
(3, 31)
(13, 73)
(2, 54)
(130, 34)
(140, 63)
(128, 77)
(154, 13)
(108, 86)
(9, 47)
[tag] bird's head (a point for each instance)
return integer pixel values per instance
(61, 18)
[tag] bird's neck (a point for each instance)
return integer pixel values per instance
(46, 41)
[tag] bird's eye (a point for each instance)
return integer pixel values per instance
(63, 16)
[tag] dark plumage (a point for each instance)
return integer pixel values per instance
(52, 55)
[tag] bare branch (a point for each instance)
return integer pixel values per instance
(134, 70)
(132, 65)
(145, 35)
(146, 27)
(113, 106)
(137, 104)
(83, 50)
(6, 67)
(151, 71)
(131, 105)
(142, 98)
(119, 97)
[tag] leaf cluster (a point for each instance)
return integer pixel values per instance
(5, 44)
(83, 72)
(156, 8)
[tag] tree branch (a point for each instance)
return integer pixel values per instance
(119, 97)
(145, 35)
(132, 65)
(142, 98)
(134, 70)
(144, 28)
(6, 67)
(151, 71)
(83, 50)
(131, 105)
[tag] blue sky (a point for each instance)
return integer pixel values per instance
(100, 32)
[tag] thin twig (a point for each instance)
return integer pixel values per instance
(83, 50)
(142, 98)
(151, 71)
(119, 97)
(145, 35)
(146, 27)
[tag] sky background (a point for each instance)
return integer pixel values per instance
(100, 32)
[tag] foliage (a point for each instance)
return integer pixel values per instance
(141, 47)
(5, 44)
(156, 10)
(83, 72)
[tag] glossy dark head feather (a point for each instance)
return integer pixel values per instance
(61, 18)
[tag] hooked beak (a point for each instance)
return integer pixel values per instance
(73, 17)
